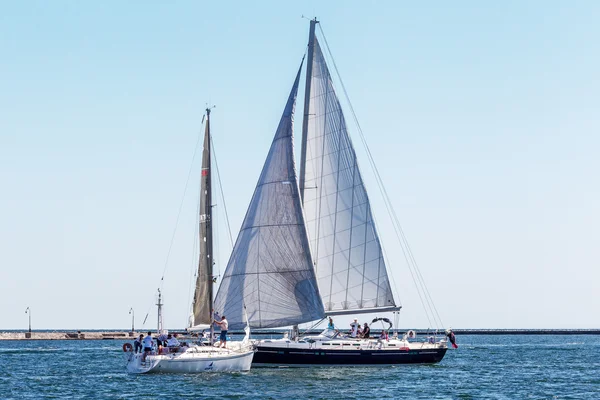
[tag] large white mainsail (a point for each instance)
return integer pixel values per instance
(349, 263)
(270, 270)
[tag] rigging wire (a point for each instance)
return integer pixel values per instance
(162, 278)
(181, 207)
(426, 299)
(214, 156)
(313, 326)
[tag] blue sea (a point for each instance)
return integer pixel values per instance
(484, 367)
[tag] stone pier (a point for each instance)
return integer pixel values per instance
(68, 335)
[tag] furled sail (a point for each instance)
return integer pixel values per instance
(349, 263)
(270, 270)
(202, 305)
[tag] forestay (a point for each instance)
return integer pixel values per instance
(270, 270)
(349, 264)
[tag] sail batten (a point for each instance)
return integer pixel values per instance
(270, 269)
(349, 264)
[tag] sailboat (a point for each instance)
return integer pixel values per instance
(308, 247)
(201, 357)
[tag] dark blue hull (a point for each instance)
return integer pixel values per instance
(277, 356)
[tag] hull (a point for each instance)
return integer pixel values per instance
(273, 353)
(273, 356)
(191, 362)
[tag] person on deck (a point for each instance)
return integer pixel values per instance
(330, 325)
(147, 345)
(137, 344)
(224, 326)
(172, 342)
(384, 335)
(366, 331)
(354, 326)
(161, 340)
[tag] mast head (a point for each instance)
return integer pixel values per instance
(312, 21)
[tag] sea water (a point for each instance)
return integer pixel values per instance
(484, 367)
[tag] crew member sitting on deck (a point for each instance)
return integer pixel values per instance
(366, 331)
(173, 343)
(384, 335)
(330, 325)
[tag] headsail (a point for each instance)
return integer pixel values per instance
(270, 270)
(203, 294)
(349, 263)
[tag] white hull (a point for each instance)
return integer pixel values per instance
(198, 359)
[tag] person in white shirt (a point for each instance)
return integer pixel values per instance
(147, 345)
(224, 326)
(172, 341)
(354, 326)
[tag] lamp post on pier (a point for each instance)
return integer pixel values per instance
(132, 319)
(28, 311)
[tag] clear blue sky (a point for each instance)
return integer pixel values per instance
(483, 119)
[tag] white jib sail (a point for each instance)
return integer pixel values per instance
(270, 270)
(349, 263)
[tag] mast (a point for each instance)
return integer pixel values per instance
(159, 327)
(309, 65)
(203, 296)
(208, 225)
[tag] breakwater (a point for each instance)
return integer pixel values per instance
(427, 332)
(66, 335)
(126, 335)
(526, 331)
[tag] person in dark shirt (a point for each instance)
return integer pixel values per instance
(366, 331)
(137, 344)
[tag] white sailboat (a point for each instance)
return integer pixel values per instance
(308, 247)
(200, 357)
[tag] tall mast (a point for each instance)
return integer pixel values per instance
(203, 296)
(159, 327)
(208, 215)
(309, 65)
